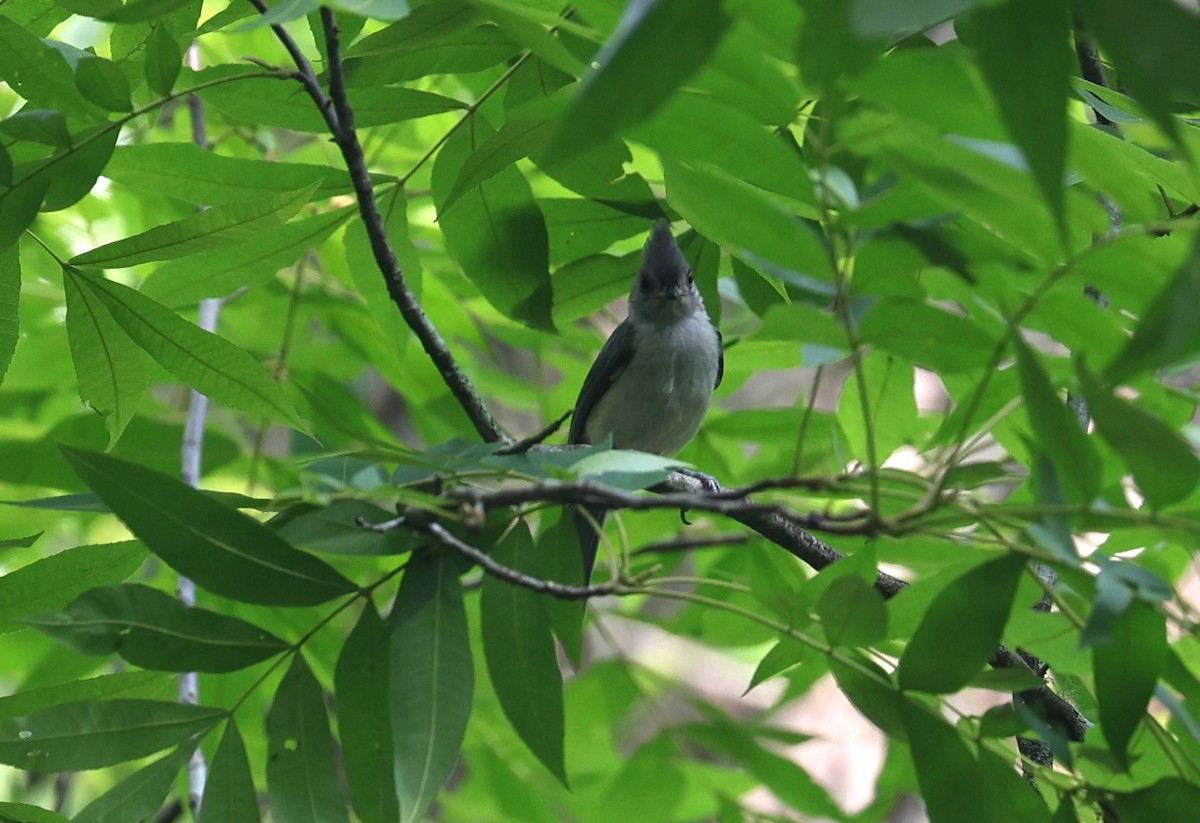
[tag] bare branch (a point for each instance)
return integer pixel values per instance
(525, 444)
(511, 575)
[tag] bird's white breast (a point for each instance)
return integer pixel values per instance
(659, 400)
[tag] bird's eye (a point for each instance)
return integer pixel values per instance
(690, 279)
(645, 284)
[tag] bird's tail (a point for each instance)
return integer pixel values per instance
(589, 520)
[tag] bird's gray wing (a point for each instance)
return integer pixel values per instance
(614, 356)
(720, 358)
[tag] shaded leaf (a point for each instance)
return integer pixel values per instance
(103, 83)
(1171, 798)
(229, 795)
(220, 548)
(1168, 332)
(361, 686)
(495, 231)
(164, 59)
(153, 630)
(852, 613)
(91, 734)
(302, 778)
(1024, 52)
(1126, 671)
(961, 628)
(139, 796)
(1076, 461)
(946, 766)
(1163, 465)
(432, 679)
(520, 653)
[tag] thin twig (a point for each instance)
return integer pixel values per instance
(553, 588)
(525, 444)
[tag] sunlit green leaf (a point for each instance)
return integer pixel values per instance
(658, 45)
(205, 361)
(52, 582)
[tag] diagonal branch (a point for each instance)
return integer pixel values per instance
(339, 117)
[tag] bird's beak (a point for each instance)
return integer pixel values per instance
(672, 292)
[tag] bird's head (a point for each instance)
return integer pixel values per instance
(664, 290)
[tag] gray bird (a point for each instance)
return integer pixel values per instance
(652, 381)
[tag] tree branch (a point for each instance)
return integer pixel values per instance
(385, 256)
(335, 108)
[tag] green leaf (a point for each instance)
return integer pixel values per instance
(126, 685)
(516, 139)
(103, 83)
(657, 46)
(39, 72)
(432, 679)
(71, 173)
(958, 784)
(201, 233)
(164, 59)
(138, 10)
(54, 581)
(426, 24)
(699, 128)
(1126, 671)
(744, 220)
(221, 549)
(1163, 464)
(621, 469)
(361, 687)
(1059, 435)
(187, 172)
(1024, 51)
(335, 529)
(782, 656)
(871, 693)
(302, 778)
(24, 813)
(852, 613)
(1168, 332)
(557, 558)
(269, 102)
(112, 370)
(375, 9)
(206, 362)
(927, 335)
(10, 298)
(1157, 77)
(190, 279)
(229, 795)
(961, 629)
(139, 796)
(91, 734)
(38, 126)
(520, 653)
(153, 630)
(495, 232)
(1171, 798)
(19, 207)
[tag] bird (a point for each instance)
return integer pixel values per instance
(651, 384)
